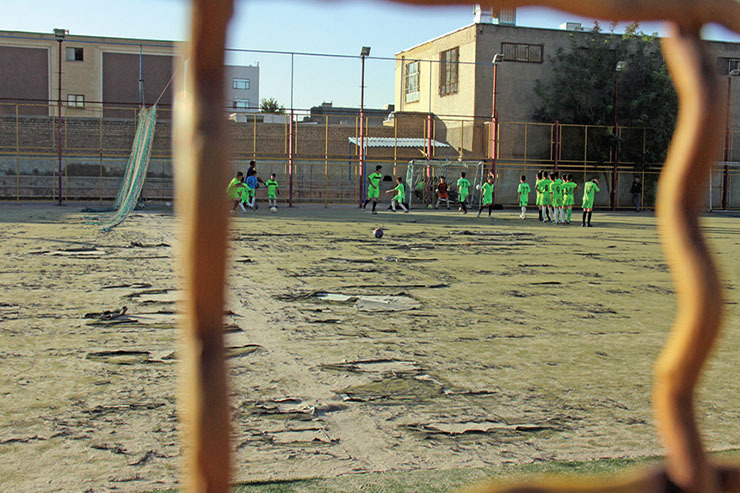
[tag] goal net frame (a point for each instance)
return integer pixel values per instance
(428, 172)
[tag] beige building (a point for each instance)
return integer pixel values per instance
(121, 73)
(451, 77)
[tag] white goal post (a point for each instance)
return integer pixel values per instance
(422, 176)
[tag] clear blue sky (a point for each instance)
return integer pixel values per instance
(339, 27)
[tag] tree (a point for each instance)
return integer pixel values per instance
(584, 79)
(271, 105)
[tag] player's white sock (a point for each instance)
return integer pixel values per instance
(562, 214)
(524, 212)
(403, 207)
(393, 206)
(242, 206)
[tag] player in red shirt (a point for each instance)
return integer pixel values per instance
(442, 192)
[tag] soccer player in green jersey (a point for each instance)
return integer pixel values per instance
(487, 191)
(544, 189)
(556, 197)
(272, 191)
(234, 190)
(538, 198)
(569, 188)
(463, 190)
(589, 190)
(400, 196)
(523, 191)
(373, 188)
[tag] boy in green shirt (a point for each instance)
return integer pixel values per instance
(569, 188)
(544, 189)
(523, 191)
(556, 197)
(400, 196)
(463, 190)
(272, 191)
(538, 197)
(589, 190)
(487, 191)
(234, 189)
(373, 188)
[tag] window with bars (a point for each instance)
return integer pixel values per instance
(726, 65)
(448, 73)
(522, 52)
(412, 82)
(76, 100)
(240, 84)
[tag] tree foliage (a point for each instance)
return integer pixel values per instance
(584, 81)
(271, 105)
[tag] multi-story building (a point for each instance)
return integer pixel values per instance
(451, 76)
(121, 73)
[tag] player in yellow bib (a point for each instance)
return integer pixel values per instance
(589, 190)
(523, 191)
(373, 188)
(487, 191)
(234, 189)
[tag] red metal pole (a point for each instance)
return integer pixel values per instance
(362, 132)
(494, 128)
(557, 143)
(616, 148)
(290, 160)
(59, 121)
(429, 135)
(726, 172)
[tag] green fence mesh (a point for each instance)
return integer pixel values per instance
(135, 174)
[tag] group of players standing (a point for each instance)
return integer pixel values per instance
(556, 197)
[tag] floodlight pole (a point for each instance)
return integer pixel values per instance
(363, 53)
(620, 66)
(59, 34)
(494, 119)
(726, 171)
(290, 136)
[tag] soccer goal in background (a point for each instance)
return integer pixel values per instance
(422, 177)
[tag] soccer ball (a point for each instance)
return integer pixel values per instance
(430, 206)
(477, 187)
(273, 209)
(378, 233)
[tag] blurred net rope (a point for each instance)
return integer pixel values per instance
(135, 174)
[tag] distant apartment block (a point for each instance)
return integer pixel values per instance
(122, 73)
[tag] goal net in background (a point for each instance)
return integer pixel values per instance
(135, 173)
(422, 177)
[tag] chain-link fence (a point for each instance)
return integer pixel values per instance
(325, 164)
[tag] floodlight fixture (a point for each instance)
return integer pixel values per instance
(498, 58)
(621, 65)
(59, 34)
(734, 72)
(365, 51)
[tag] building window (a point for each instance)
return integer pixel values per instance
(522, 52)
(241, 83)
(412, 82)
(726, 65)
(241, 104)
(448, 71)
(76, 100)
(75, 54)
